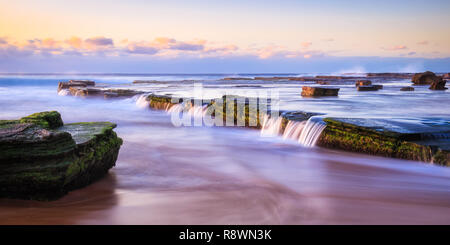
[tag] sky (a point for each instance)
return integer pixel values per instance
(200, 36)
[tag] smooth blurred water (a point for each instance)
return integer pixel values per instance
(227, 175)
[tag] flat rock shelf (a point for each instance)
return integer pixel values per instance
(42, 159)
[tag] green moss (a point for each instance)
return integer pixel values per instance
(46, 119)
(44, 164)
(366, 140)
(8, 123)
(442, 157)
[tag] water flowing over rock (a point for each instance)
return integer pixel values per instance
(311, 131)
(40, 158)
(353, 135)
(306, 132)
(293, 130)
(271, 126)
(407, 89)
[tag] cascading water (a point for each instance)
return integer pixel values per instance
(195, 110)
(293, 130)
(63, 92)
(305, 132)
(311, 131)
(141, 101)
(271, 126)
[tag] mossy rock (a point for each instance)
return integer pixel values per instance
(45, 163)
(46, 119)
(384, 137)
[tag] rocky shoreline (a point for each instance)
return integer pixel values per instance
(42, 158)
(386, 137)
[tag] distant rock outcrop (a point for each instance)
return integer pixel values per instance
(427, 77)
(363, 83)
(316, 91)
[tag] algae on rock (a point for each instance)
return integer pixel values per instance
(42, 159)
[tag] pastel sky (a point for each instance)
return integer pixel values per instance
(174, 36)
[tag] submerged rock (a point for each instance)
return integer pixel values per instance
(438, 85)
(42, 159)
(427, 77)
(316, 91)
(407, 89)
(369, 88)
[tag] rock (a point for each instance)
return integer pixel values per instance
(108, 95)
(124, 92)
(47, 119)
(75, 83)
(389, 138)
(42, 159)
(368, 88)
(149, 82)
(378, 86)
(77, 91)
(316, 91)
(427, 77)
(390, 75)
(236, 78)
(438, 85)
(363, 83)
(407, 89)
(323, 82)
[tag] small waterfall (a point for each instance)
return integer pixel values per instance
(192, 110)
(293, 130)
(305, 132)
(141, 101)
(311, 131)
(177, 108)
(271, 126)
(63, 92)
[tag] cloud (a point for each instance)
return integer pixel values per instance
(99, 41)
(170, 48)
(75, 42)
(141, 48)
(306, 44)
(423, 43)
(395, 48)
(274, 51)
